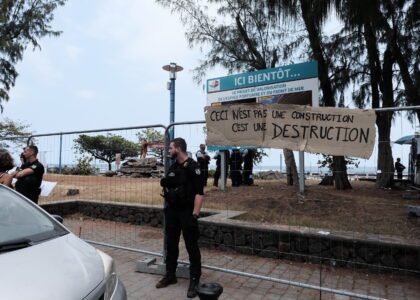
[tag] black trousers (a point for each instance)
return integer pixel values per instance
(205, 175)
(30, 193)
(175, 222)
(247, 172)
(235, 175)
(218, 173)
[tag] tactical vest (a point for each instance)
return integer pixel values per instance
(175, 187)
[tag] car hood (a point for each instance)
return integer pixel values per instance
(62, 268)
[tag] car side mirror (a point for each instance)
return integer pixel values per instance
(58, 218)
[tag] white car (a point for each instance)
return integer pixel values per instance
(41, 259)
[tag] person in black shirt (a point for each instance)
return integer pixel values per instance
(183, 192)
(217, 173)
(236, 167)
(399, 167)
(203, 160)
(249, 155)
(29, 178)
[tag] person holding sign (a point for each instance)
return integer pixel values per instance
(184, 196)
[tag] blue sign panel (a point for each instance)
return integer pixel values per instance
(263, 77)
(218, 148)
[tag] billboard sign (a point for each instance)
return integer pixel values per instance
(293, 84)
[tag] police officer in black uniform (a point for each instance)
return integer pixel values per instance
(29, 177)
(183, 192)
(248, 156)
(236, 167)
(203, 160)
(218, 172)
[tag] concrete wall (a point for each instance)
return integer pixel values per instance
(219, 230)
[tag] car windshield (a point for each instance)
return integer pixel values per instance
(19, 220)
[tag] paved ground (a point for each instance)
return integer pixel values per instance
(142, 286)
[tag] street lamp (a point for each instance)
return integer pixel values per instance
(172, 68)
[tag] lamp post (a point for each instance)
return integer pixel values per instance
(172, 68)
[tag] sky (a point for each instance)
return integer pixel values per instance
(105, 70)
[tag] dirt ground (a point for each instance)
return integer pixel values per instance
(363, 209)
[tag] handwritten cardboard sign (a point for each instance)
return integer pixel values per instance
(328, 130)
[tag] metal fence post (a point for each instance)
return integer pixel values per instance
(301, 172)
(166, 165)
(60, 153)
(281, 164)
(223, 171)
(172, 108)
(166, 153)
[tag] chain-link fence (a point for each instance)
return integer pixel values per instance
(84, 164)
(361, 240)
(359, 243)
(98, 180)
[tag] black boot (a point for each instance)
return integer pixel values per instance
(192, 289)
(166, 280)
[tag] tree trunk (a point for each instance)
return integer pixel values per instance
(385, 177)
(327, 180)
(384, 123)
(339, 164)
(393, 37)
(341, 181)
(291, 170)
(109, 166)
(381, 77)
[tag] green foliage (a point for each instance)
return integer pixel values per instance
(22, 24)
(327, 161)
(211, 173)
(106, 147)
(259, 155)
(13, 134)
(151, 135)
(236, 35)
(83, 167)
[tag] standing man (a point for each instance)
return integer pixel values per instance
(183, 192)
(29, 178)
(249, 155)
(236, 167)
(203, 160)
(217, 173)
(399, 167)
